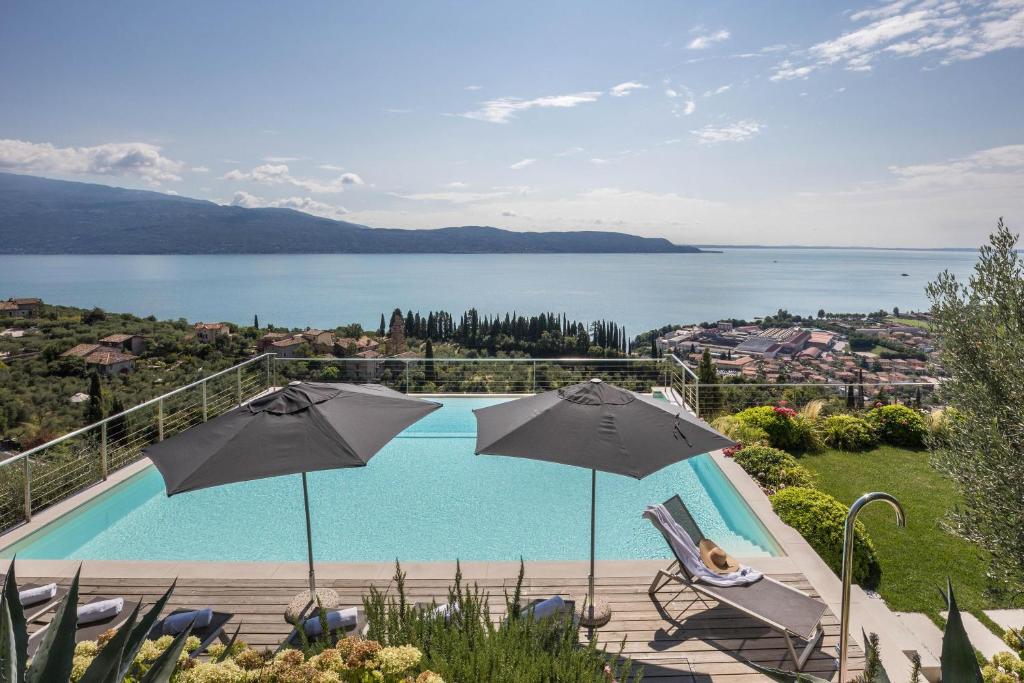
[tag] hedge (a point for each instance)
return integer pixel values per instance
(773, 469)
(820, 519)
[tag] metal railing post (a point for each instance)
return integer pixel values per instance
(238, 384)
(268, 373)
(28, 491)
(847, 574)
(103, 451)
(407, 376)
(160, 420)
(206, 412)
(533, 375)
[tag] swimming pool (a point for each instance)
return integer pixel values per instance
(424, 497)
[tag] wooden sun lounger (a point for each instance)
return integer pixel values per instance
(207, 634)
(793, 614)
(90, 631)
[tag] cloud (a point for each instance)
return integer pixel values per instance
(303, 204)
(732, 132)
(600, 162)
(522, 163)
(994, 167)
(199, 169)
(509, 214)
(717, 91)
(706, 40)
(330, 167)
(623, 89)
(684, 108)
(281, 160)
(950, 31)
(454, 197)
(571, 151)
(137, 159)
(457, 185)
(278, 174)
(504, 109)
(398, 111)
(473, 87)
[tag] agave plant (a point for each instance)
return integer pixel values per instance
(958, 662)
(53, 660)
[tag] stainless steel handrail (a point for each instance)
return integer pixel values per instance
(140, 406)
(847, 573)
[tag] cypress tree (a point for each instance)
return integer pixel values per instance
(707, 374)
(429, 372)
(382, 330)
(256, 321)
(94, 409)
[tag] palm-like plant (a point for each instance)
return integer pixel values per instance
(53, 659)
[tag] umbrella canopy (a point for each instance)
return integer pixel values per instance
(597, 426)
(304, 427)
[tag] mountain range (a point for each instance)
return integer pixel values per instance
(46, 216)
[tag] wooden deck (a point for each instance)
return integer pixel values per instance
(674, 639)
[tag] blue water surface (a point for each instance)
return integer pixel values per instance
(424, 497)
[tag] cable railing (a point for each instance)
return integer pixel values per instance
(56, 470)
(722, 399)
(476, 375)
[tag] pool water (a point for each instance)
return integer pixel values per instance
(424, 497)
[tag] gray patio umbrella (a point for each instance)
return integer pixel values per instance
(304, 427)
(597, 426)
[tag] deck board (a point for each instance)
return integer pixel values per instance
(676, 640)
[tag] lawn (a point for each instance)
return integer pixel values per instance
(916, 560)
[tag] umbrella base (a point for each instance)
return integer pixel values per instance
(596, 615)
(300, 604)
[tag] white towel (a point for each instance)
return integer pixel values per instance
(32, 596)
(98, 611)
(688, 553)
(549, 607)
(176, 623)
(336, 619)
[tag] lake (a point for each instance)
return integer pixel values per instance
(640, 291)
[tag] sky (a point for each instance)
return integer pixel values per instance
(728, 122)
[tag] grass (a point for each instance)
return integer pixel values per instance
(911, 322)
(915, 560)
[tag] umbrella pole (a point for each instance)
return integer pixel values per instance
(593, 515)
(309, 538)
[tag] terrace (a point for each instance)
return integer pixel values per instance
(56, 486)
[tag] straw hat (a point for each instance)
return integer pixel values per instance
(716, 559)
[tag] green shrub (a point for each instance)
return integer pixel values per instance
(820, 519)
(468, 646)
(741, 432)
(773, 469)
(785, 428)
(898, 425)
(848, 433)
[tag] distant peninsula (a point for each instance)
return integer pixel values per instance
(46, 216)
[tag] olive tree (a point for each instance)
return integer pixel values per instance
(980, 327)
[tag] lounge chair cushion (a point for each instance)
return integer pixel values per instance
(336, 619)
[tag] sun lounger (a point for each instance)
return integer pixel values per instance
(567, 607)
(793, 614)
(294, 639)
(90, 631)
(206, 634)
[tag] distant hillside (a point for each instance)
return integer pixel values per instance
(44, 216)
